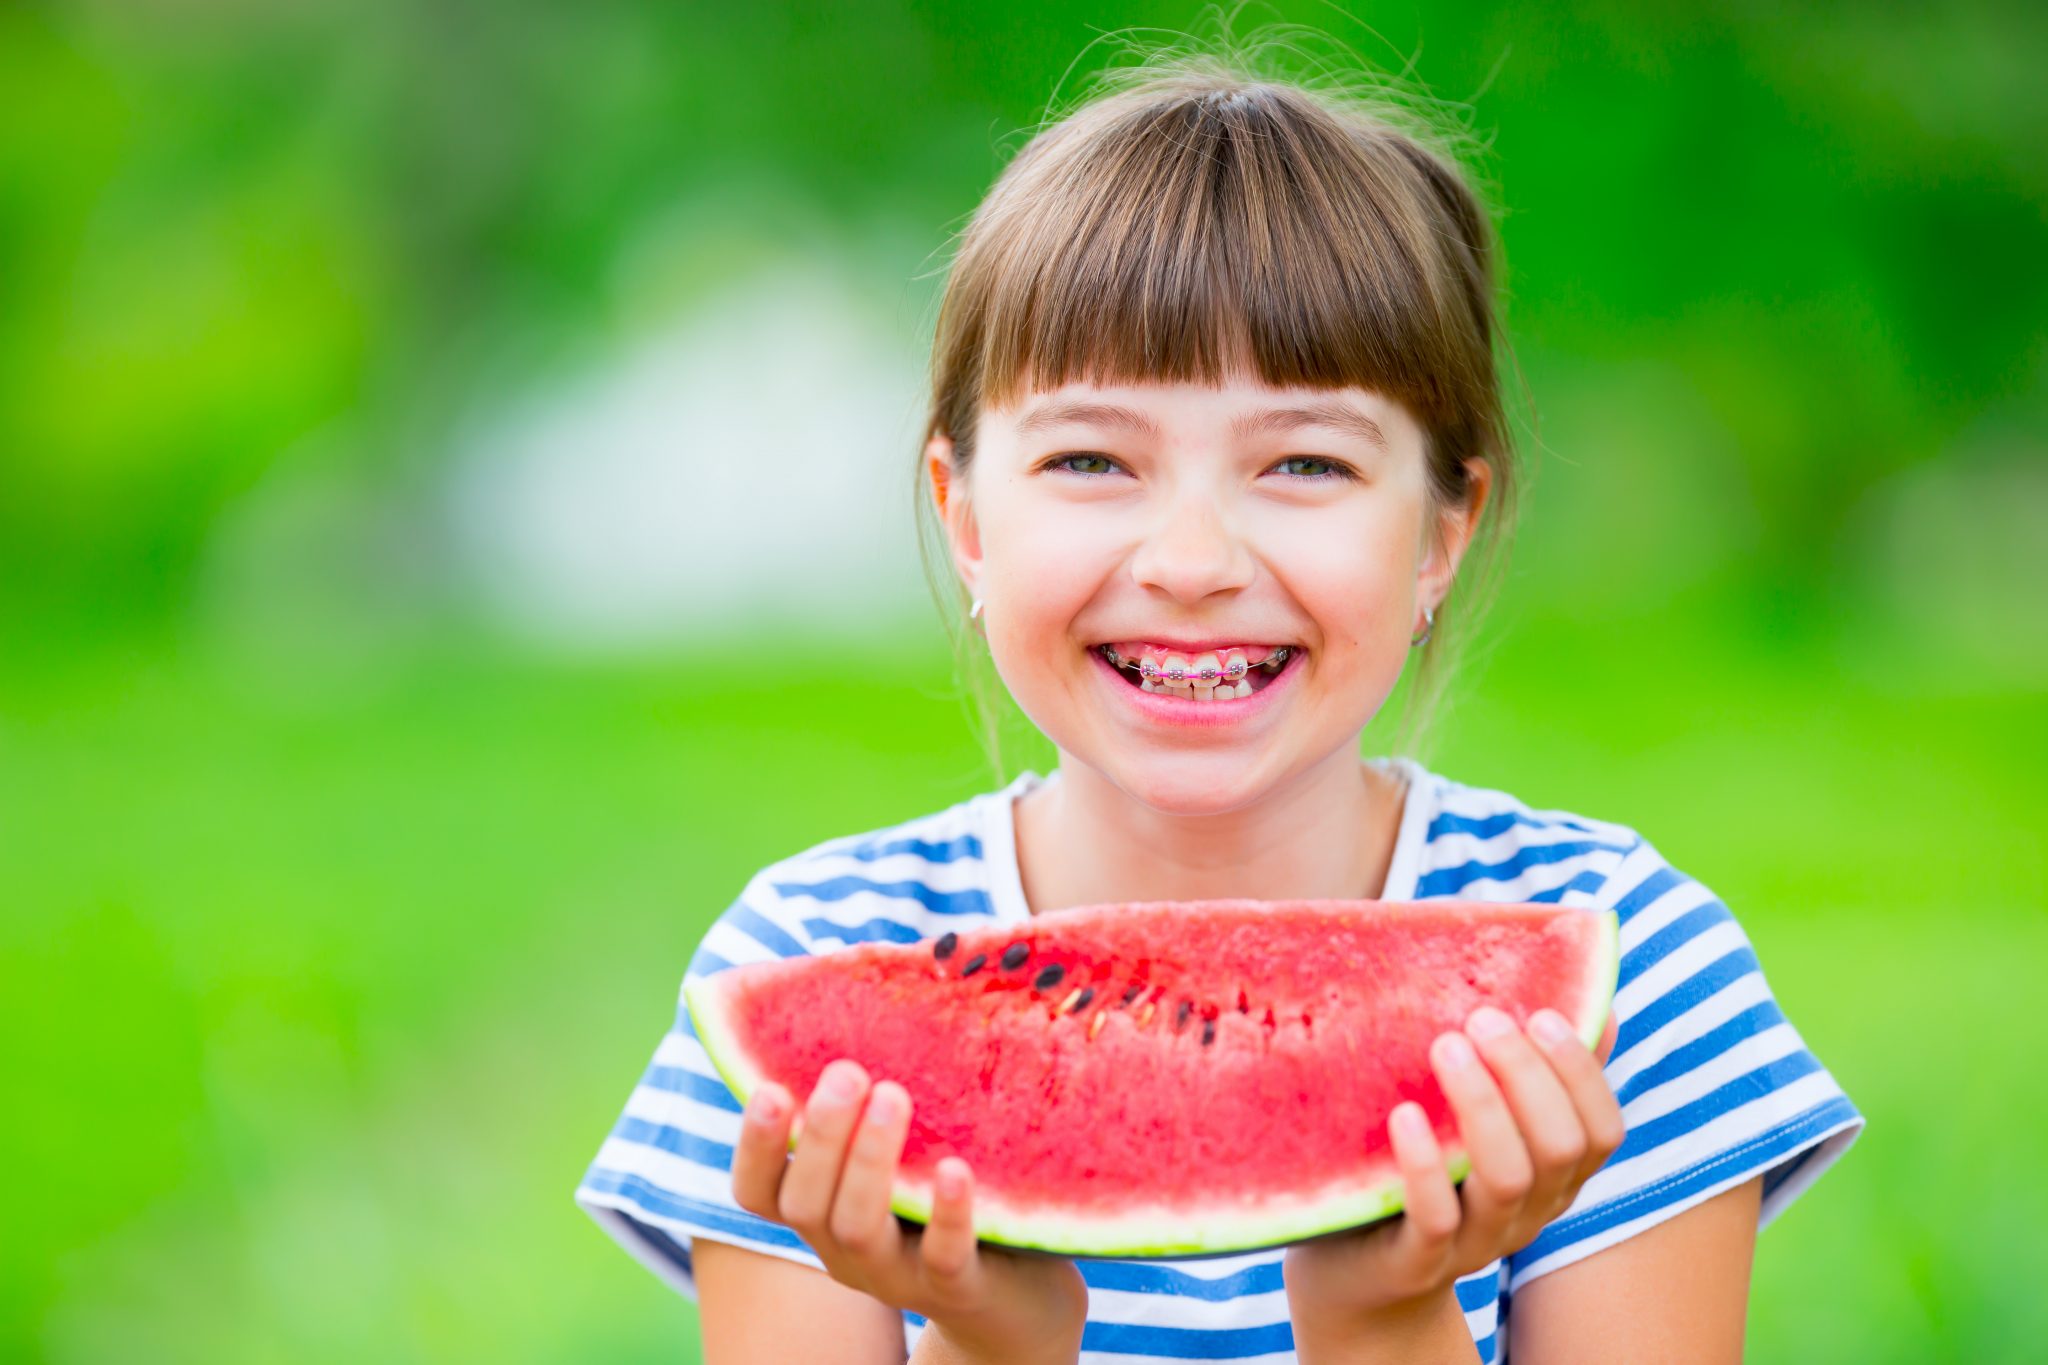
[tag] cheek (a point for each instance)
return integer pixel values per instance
(1041, 568)
(1042, 549)
(1351, 575)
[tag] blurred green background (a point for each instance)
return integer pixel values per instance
(437, 440)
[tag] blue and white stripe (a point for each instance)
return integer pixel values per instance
(1716, 1085)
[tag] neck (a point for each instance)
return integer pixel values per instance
(1327, 834)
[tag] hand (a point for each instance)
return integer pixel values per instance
(835, 1194)
(1531, 1150)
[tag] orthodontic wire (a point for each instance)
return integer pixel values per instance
(1231, 673)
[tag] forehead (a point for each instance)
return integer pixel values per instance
(1244, 410)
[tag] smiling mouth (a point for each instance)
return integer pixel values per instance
(1204, 677)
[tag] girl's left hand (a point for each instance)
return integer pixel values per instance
(1531, 1149)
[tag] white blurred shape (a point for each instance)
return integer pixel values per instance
(754, 461)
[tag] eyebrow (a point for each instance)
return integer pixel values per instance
(1328, 412)
(1081, 410)
(1325, 412)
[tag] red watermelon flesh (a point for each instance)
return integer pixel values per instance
(1163, 1078)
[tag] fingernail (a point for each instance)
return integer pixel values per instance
(1550, 1026)
(1413, 1123)
(952, 1180)
(885, 1106)
(764, 1107)
(839, 1083)
(1454, 1050)
(1488, 1022)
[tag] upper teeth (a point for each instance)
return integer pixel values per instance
(1201, 673)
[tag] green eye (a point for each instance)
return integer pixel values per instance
(1075, 463)
(1323, 469)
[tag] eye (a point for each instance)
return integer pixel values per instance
(1096, 462)
(1319, 469)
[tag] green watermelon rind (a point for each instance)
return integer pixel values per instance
(1136, 1233)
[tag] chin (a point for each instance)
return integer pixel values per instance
(1187, 788)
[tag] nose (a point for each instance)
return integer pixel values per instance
(1193, 553)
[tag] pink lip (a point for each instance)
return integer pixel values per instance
(1168, 709)
(1196, 646)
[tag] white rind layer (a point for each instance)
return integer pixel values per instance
(1158, 1232)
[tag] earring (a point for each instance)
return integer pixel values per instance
(974, 610)
(1428, 625)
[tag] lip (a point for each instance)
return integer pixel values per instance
(1220, 642)
(1165, 709)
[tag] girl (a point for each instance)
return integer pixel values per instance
(1213, 386)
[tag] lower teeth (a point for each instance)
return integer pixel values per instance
(1219, 693)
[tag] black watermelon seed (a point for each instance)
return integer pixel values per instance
(1133, 991)
(1180, 1016)
(974, 964)
(1014, 955)
(943, 949)
(1081, 1000)
(1208, 1032)
(1048, 978)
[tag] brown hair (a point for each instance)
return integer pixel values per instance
(1197, 220)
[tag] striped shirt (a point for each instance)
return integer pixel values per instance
(1715, 1084)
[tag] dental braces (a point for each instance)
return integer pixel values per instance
(1201, 677)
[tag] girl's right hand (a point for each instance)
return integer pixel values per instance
(834, 1193)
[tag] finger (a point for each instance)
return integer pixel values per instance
(761, 1155)
(862, 1221)
(1543, 1109)
(947, 1244)
(1501, 1171)
(1608, 1034)
(1431, 1215)
(1585, 1081)
(820, 1151)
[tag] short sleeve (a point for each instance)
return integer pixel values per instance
(1716, 1085)
(663, 1177)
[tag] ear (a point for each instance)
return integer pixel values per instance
(956, 511)
(1453, 534)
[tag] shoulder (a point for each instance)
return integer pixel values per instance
(662, 1177)
(1482, 843)
(1486, 844)
(897, 883)
(1716, 1085)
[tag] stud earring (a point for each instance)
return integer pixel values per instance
(1428, 625)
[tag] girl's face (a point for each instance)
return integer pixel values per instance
(1282, 534)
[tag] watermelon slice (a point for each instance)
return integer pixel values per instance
(1162, 1078)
